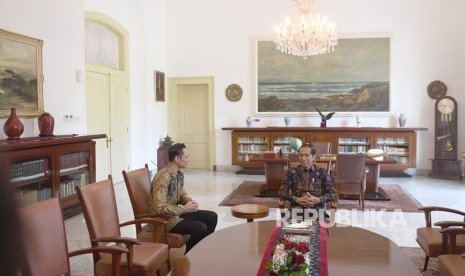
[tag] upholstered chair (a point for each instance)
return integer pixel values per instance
(98, 205)
(138, 185)
(350, 175)
(452, 263)
(45, 246)
(430, 238)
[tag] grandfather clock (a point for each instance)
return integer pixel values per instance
(445, 163)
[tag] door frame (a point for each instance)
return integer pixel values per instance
(122, 72)
(172, 95)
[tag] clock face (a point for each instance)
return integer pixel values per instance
(446, 106)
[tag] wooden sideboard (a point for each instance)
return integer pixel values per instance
(40, 167)
(398, 143)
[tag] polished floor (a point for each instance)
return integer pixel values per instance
(209, 188)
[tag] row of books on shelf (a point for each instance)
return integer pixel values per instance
(282, 140)
(392, 141)
(401, 159)
(69, 183)
(252, 139)
(353, 140)
(352, 149)
(395, 150)
(33, 194)
(252, 148)
(73, 161)
(29, 170)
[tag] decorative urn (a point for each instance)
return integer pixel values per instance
(13, 126)
(46, 124)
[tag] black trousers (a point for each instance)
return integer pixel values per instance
(199, 225)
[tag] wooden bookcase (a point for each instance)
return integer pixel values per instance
(40, 167)
(398, 143)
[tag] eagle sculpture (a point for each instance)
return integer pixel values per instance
(324, 117)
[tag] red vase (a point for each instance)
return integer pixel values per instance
(46, 124)
(13, 126)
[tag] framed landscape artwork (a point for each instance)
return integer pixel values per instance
(355, 78)
(159, 86)
(21, 76)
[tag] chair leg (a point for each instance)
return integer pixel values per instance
(426, 263)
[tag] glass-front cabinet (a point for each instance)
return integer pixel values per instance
(353, 143)
(39, 168)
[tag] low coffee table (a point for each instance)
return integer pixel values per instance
(250, 211)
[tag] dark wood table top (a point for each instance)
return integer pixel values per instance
(238, 250)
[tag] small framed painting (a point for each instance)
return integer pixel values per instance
(159, 86)
(21, 76)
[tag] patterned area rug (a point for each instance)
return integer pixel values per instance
(400, 199)
(418, 257)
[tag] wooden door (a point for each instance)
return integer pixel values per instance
(191, 118)
(98, 118)
(108, 110)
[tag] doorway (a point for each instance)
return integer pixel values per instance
(190, 119)
(107, 102)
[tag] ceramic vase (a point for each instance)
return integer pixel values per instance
(46, 124)
(287, 120)
(13, 126)
(402, 120)
(249, 121)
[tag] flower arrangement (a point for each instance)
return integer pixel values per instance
(290, 257)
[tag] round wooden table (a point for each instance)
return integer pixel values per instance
(351, 251)
(250, 211)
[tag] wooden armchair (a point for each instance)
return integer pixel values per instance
(431, 240)
(44, 241)
(452, 263)
(138, 185)
(98, 205)
(350, 176)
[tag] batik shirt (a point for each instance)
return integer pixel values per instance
(167, 194)
(299, 180)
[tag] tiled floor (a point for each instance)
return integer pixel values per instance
(209, 188)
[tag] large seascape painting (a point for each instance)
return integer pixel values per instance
(354, 78)
(20, 74)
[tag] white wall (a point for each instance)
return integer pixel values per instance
(144, 21)
(61, 29)
(217, 38)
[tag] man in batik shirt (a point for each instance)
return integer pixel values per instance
(168, 197)
(307, 186)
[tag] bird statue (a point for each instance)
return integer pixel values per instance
(324, 118)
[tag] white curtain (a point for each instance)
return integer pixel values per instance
(102, 45)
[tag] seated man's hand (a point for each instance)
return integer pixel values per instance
(191, 206)
(308, 200)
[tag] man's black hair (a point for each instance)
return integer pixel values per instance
(309, 145)
(175, 150)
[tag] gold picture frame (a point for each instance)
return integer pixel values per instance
(21, 75)
(159, 86)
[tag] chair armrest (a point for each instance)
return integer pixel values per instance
(118, 250)
(446, 224)
(429, 209)
(162, 216)
(129, 242)
(450, 237)
(156, 224)
(154, 221)
(115, 251)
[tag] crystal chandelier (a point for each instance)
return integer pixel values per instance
(307, 34)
